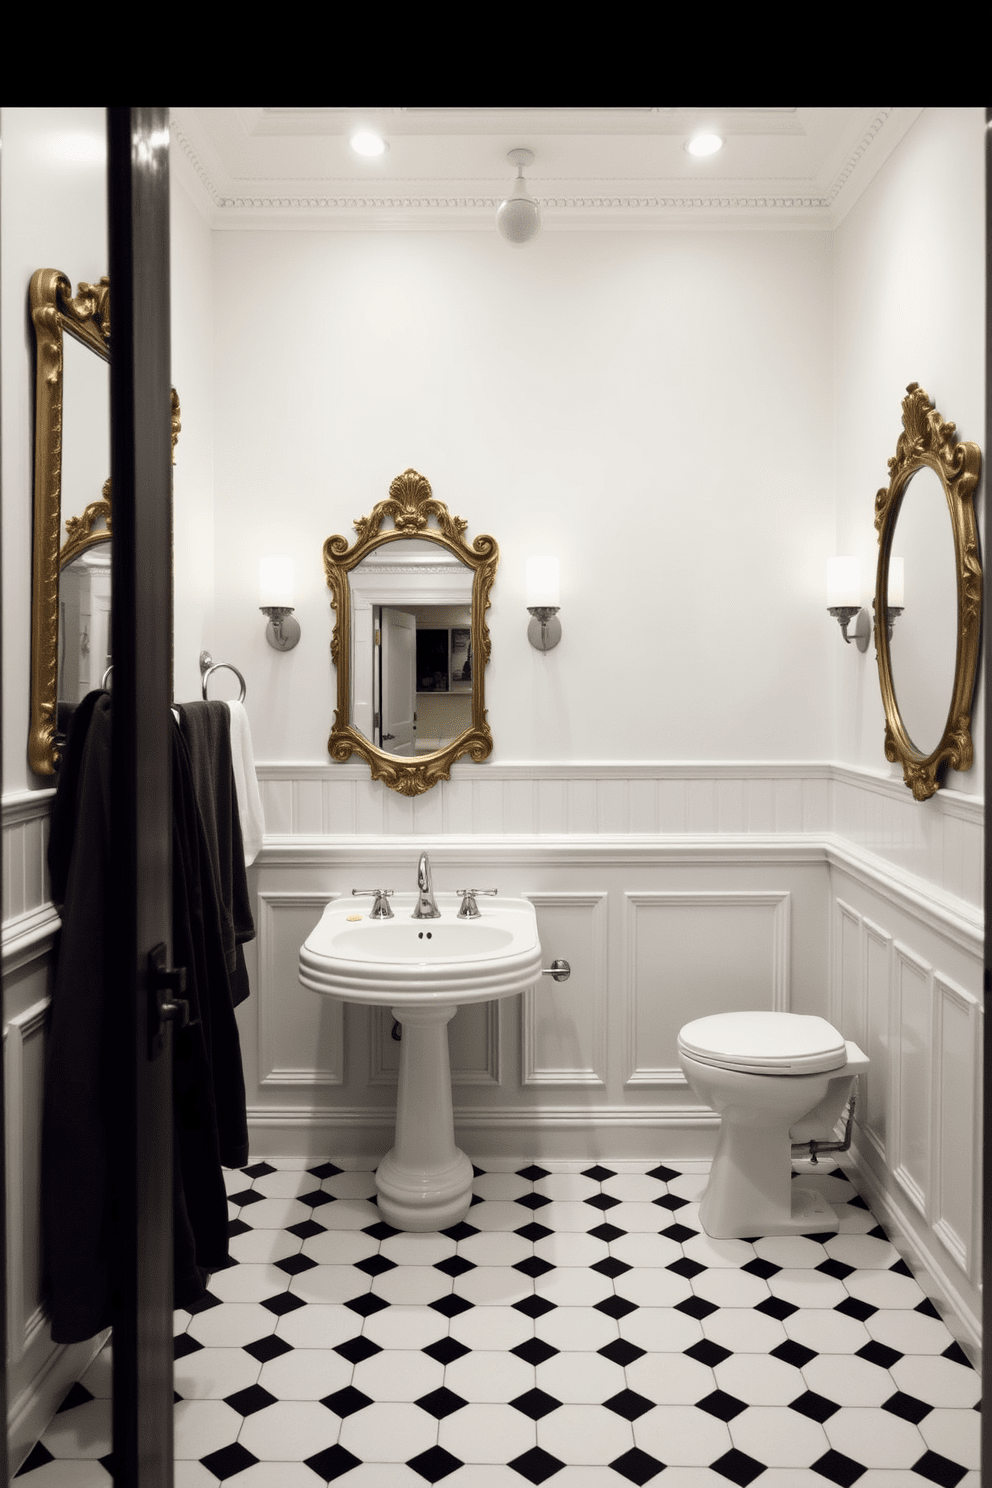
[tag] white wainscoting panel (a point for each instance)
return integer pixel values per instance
(698, 953)
(473, 1045)
(880, 1033)
(912, 1074)
(956, 1166)
(563, 1026)
(300, 1033)
(24, 1069)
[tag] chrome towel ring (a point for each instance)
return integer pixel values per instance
(208, 666)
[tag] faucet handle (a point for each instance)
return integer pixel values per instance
(470, 910)
(380, 909)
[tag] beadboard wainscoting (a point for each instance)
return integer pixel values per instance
(674, 890)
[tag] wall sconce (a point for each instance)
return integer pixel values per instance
(544, 630)
(844, 600)
(518, 218)
(275, 582)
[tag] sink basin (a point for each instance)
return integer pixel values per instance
(449, 960)
(422, 970)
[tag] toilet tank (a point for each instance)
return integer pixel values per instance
(819, 1124)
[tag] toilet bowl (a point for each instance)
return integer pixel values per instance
(775, 1079)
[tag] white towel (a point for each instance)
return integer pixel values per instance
(246, 784)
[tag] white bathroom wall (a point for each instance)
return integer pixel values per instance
(654, 407)
(53, 214)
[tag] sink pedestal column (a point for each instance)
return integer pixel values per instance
(425, 1182)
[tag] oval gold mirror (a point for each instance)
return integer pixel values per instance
(410, 639)
(927, 639)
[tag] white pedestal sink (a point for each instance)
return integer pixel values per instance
(423, 970)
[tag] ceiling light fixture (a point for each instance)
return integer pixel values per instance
(364, 142)
(519, 216)
(704, 144)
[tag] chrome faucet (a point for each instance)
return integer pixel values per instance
(425, 908)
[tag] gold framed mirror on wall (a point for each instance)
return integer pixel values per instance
(410, 640)
(927, 645)
(71, 585)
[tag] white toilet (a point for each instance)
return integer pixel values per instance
(775, 1079)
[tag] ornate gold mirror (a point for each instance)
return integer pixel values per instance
(71, 593)
(928, 646)
(410, 639)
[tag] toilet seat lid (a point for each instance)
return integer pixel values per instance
(765, 1043)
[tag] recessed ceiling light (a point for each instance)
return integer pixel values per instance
(364, 142)
(704, 144)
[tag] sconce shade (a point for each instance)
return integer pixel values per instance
(897, 582)
(518, 218)
(275, 582)
(542, 582)
(843, 582)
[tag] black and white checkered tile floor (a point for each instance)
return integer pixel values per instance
(577, 1329)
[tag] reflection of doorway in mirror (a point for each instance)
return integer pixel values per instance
(395, 709)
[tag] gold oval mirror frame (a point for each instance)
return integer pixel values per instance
(411, 505)
(928, 440)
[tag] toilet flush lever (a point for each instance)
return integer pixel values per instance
(166, 1004)
(559, 970)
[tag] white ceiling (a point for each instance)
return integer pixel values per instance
(593, 168)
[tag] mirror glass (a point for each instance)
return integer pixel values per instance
(410, 639)
(924, 637)
(411, 648)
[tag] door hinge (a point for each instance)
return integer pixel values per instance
(166, 984)
(378, 637)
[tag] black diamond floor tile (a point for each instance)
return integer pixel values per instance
(375, 1265)
(533, 1201)
(839, 1270)
(879, 1353)
(282, 1303)
(346, 1402)
(245, 1197)
(816, 1407)
(454, 1265)
(204, 1303)
(938, 1469)
(264, 1349)
(451, 1306)
(441, 1403)
(615, 1307)
(317, 1198)
(598, 1174)
(296, 1265)
(686, 1267)
(537, 1465)
(236, 1227)
(37, 1457)
(533, 1173)
(697, 1307)
(533, 1307)
(306, 1229)
(247, 1402)
(907, 1406)
(602, 1201)
(434, 1464)
(536, 1404)
(637, 1466)
(332, 1462)
(229, 1460)
(534, 1351)
(622, 1351)
(533, 1267)
(794, 1353)
(957, 1355)
(607, 1232)
(357, 1349)
(380, 1230)
(927, 1308)
(446, 1350)
(663, 1174)
(738, 1467)
(367, 1304)
(707, 1352)
(760, 1268)
(837, 1468)
(680, 1233)
(611, 1267)
(629, 1404)
(776, 1307)
(460, 1231)
(258, 1170)
(184, 1344)
(670, 1201)
(725, 1407)
(533, 1232)
(325, 1170)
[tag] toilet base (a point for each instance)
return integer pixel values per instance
(809, 1214)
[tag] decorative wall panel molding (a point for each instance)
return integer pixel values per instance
(473, 1045)
(956, 1104)
(912, 1075)
(291, 1018)
(691, 954)
(24, 1063)
(563, 1024)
